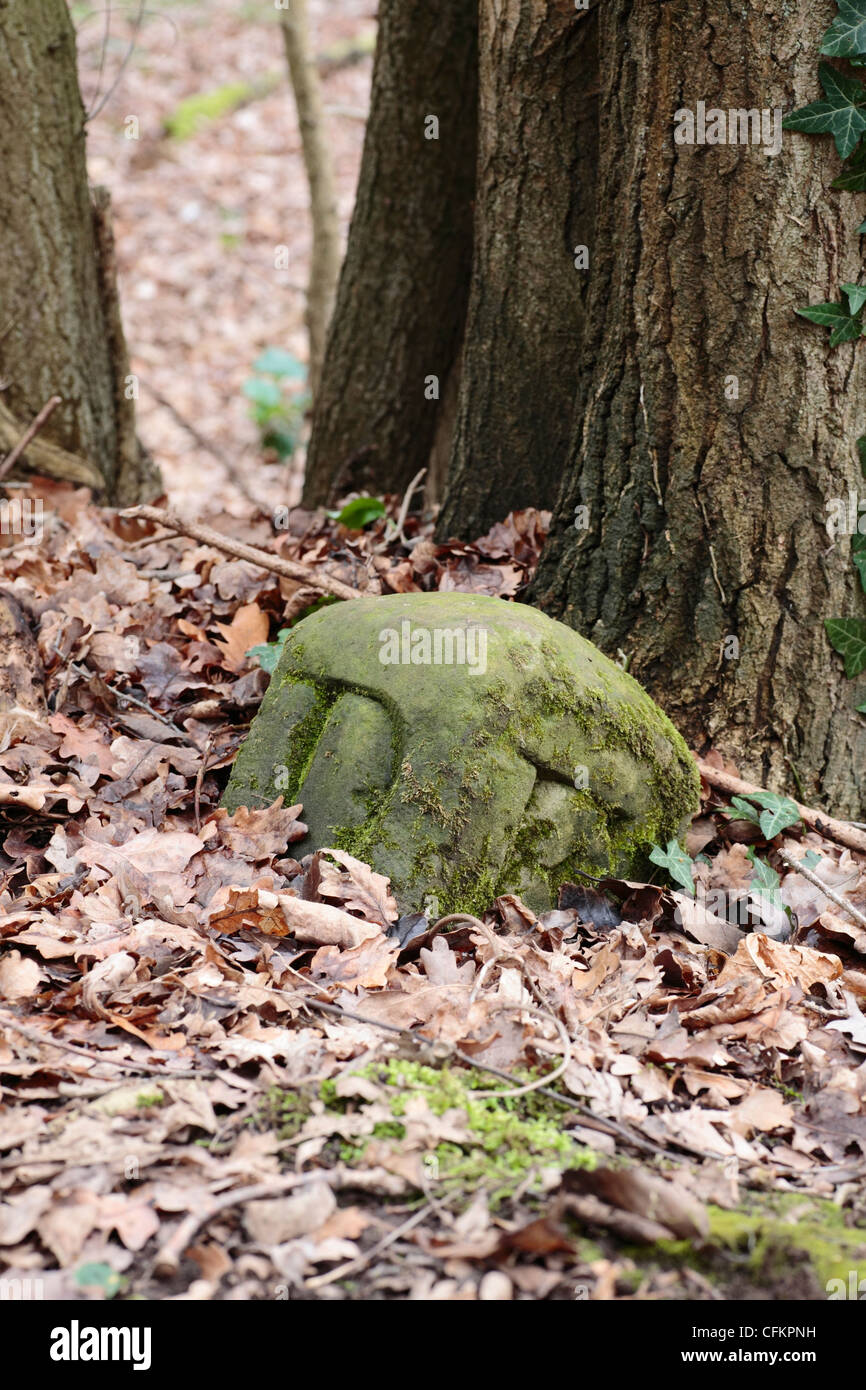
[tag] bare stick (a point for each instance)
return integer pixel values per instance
(325, 259)
(136, 1068)
(362, 1261)
(289, 569)
(30, 433)
(828, 892)
(841, 831)
(168, 1259)
(209, 447)
(405, 504)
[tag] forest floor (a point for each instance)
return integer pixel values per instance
(202, 1099)
(206, 1097)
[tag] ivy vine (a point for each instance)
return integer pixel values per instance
(842, 114)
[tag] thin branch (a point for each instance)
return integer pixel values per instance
(325, 257)
(30, 433)
(415, 1036)
(407, 500)
(362, 1261)
(137, 23)
(136, 1068)
(168, 1259)
(825, 888)
(289, 569)
(213, 449)
(841, 831)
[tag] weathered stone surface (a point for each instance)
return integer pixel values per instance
(510, 769)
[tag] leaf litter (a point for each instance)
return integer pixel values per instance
(231, 1073)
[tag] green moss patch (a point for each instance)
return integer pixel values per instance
(495, 1144)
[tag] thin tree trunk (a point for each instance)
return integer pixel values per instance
(717, 424)
(60, 331)
(401, 302)
(325, 255)
(534, 210)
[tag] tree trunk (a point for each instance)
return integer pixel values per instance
(534, 210)
(717, 425)
(60, 332)
(401, 302)
(325, 223)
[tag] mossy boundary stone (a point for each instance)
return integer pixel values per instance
(518, 758)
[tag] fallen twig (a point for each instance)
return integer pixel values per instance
(168, 1258)
(841, 831)
(214, 450)
(30, 433)
(136, 1068)
(362, 1261)
(405, 504)
(289, 569)
(828, 892)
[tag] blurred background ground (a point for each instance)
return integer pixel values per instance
(198, 217)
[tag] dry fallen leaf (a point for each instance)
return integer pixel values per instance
(780, 963)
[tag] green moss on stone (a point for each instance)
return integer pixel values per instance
(475, 795)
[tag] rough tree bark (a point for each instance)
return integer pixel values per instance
(402, 296)
(60, 331)
(537, 159)
(716, 425)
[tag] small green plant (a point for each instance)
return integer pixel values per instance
(146, 1100)
(278, 400)
(100, 1276)
(765, 881)
(848, 635)
(198, 110)
(842, 114)
(779, 812)
(677, 863)
(359, 512)
(267, 654)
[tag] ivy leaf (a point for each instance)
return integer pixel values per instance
(276, 361)
(264, 393)
(765, 881)
(846, 37)
(853, 177)
(677, 863)
(848, 637)
(743, 811)
(840, 113)
(810, 859)
(360, 512)
(861, 444)
(845, 326)
(775, 821)
(858, 555)
(856, 296)
(267, 654)
(778, 812)
(99, 1276)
